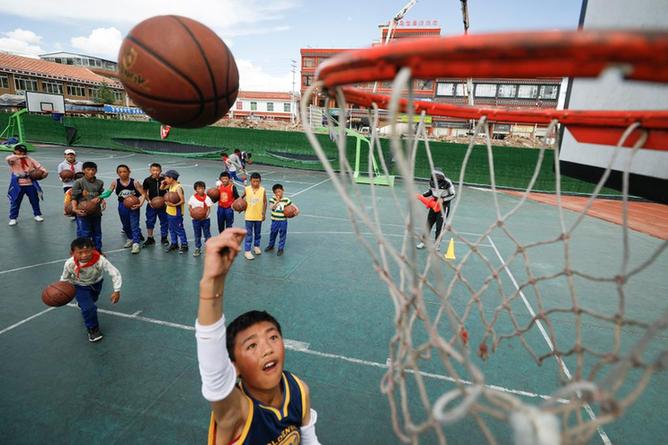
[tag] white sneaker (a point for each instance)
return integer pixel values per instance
(135, 248)
(39, 218)
(249, 256)
(127, 244)
(12, 222)
(257, 250)
(420, 246)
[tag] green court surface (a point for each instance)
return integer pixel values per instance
(140, 384)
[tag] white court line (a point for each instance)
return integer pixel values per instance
(541, 328)
(9, 328)
(2, 272)
(309, 188)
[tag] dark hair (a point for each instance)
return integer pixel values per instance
(82, 243)
(256, 175)
(224, 175)
(223, 154)
(245, 321)
(119, 166)
(236, 150)
(199, 184)
(155, 164)
(276, 187)
(21, 147)
(89, 164)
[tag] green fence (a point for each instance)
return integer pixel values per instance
(513, 167)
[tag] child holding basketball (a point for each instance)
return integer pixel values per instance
(228, 193)
(88, 203)
(175, 212)
(279, 223)
(200, 226)
(269, 404)
(125, 187)
(21, 166)
(69, 164)
(85, 270)
(437, 199)
(152, 189)
(256, 197)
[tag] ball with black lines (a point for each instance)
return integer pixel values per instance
(178, 71)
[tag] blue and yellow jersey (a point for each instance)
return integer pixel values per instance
(277, 214)
(269, 425)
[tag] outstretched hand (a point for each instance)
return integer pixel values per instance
(221, 251)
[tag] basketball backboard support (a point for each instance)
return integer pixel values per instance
(649, 168)
(45, 103)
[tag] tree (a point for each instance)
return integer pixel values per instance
(105, 95)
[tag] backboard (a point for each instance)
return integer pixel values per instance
(45, 103)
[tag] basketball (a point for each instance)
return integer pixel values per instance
(291, 211)
(239, 205)
(66, 175)
(58, 294)
(38, 174)
(198, 213)
(88, 207)
(214, 194)
(172, 197)
(178, 71)
(158, 202)
(130, 201)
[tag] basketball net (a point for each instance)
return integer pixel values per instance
(452, 321)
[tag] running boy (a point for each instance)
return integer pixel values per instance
(437, 199)
(152, 189)
(279, 223)
(85, 269)
(20, 167)
(89, 189)
(70, 163)
(228, 193)
(256, 211)
(124, 187)
(175, 212)
(269, 405)
(200, 226)
(233, 164)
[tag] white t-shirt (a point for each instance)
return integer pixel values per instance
(194, 202)
(78, 167)
(234, 163)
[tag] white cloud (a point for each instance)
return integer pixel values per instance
(226, 17)
(103, 42)
(253, 78)
(21, 41)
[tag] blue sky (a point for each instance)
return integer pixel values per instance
(264, 35)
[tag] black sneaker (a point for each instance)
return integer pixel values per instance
(149, 241)
(183, 248)
(280, 252)
(141, 237)
(269, 249)
(172, 247)
(94, 335)
(164, 241)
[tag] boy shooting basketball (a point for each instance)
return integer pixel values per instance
(269, 405)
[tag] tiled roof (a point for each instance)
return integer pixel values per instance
(41, 68)
(263, 95)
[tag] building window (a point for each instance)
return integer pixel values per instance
(52, 87)
(24, 84)
(445, 89)
(253, 106)
(421, 84)
(309, 62)
(307, 80)
(270, 106)
(4, 82)
(485, 90)
(527, 91)
(92, 92)
(460, 90)
(507, 91)
(118, 96)
(548, 91)
(73, 90)
(286, 107)
(240, 105)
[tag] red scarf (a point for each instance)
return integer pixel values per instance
(201, 199)
(71, 167)
(93, 259)
(24, 162)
